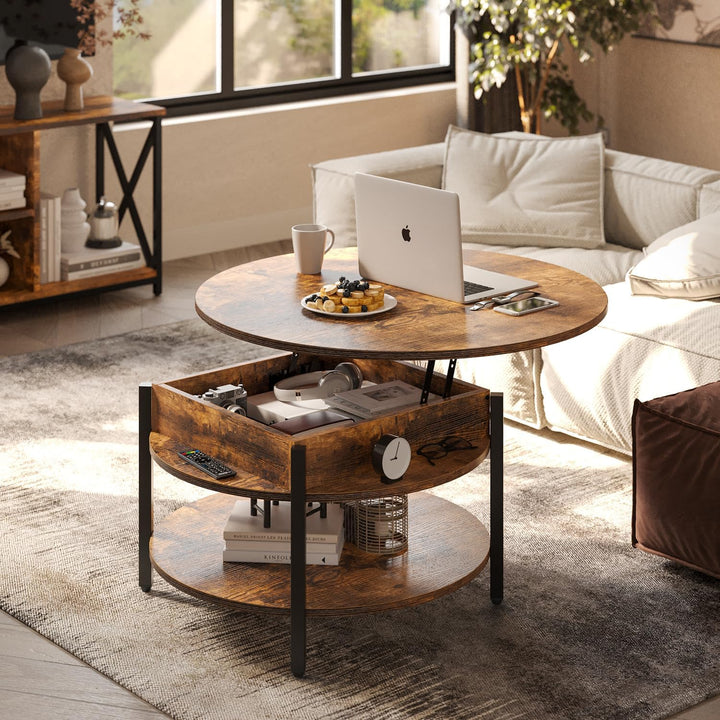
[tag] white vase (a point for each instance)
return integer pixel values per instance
(74, 228)
(4, 270)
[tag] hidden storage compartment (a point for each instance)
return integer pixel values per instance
(338, 457)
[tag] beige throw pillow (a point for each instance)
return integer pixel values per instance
(523, 189)
(682, 263)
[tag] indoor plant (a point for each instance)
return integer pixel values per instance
(90, 14)
(525, 38)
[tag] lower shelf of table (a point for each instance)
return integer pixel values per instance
(447, 547)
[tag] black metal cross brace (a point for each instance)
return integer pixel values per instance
(103, 136)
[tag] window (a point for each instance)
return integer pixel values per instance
(216, 54)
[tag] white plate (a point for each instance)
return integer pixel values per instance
(390, 303)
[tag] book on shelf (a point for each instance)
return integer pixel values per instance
(367, 402)
(283, 546)
(241, 525)
(103, 270)
(91, 258)
(279, 556)
(50, 219)
(98, 261)
(12, 191)
(9, 179)
(43, 242)
(12, 201)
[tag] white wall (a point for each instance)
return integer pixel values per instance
(658, 98)
(241, 178)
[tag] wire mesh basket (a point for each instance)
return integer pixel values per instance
(379, 525)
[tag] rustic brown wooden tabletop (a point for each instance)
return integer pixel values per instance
(260, 302)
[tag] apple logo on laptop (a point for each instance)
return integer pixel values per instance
(406, 233)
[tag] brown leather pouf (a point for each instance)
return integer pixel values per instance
(676, 477)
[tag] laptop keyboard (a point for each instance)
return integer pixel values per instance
(472, 288)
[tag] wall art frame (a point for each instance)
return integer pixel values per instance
(695, 22)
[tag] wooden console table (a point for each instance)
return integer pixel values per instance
(20, 153)
(260, 303)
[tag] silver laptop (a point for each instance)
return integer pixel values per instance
(409, 235)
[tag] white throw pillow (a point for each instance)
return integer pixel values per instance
(521, 189)
(682, 263)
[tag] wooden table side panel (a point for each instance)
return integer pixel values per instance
(165, 452)
(341, 460)
(241, 443)
(447, 548)
(338, 457)
(253, 375)
(21, 154)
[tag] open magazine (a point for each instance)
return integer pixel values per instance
(366, 402)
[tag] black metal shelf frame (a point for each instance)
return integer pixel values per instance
(153, 143)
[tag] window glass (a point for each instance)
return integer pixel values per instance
(280, 41)
(216, 53)
(399, 34)
(179, 59)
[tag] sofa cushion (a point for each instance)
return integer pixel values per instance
(646, 197)
(684, 263)
(605, 265)
(527, 190)
(710, 198)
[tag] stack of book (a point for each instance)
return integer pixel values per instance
(12, 190)
(99, 261)
(246, 540)
(50, 218)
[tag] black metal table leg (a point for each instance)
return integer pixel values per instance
(297, 560)
(145, 509)
(496, 497)
(156, 132)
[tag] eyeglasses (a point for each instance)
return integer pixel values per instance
(435, 451)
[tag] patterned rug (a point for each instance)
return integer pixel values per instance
(589, 629)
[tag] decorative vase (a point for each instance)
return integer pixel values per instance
(4, 270)
(74, 228)
(74, 70)
(27, 68)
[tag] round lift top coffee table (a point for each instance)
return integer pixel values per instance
(260, 302)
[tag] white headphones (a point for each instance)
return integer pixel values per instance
(315, 385)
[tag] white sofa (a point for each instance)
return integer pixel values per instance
(647, 346)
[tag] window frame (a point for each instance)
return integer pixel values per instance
(228, 98)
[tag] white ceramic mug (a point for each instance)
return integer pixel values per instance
(310, 243)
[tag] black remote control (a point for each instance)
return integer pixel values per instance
(207, 464)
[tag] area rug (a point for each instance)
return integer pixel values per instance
(590, 628)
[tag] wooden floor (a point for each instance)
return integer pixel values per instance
(38, 680)
(66, 321)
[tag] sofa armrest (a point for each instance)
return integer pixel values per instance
(334, 184)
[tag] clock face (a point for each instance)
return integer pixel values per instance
(391, 456)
